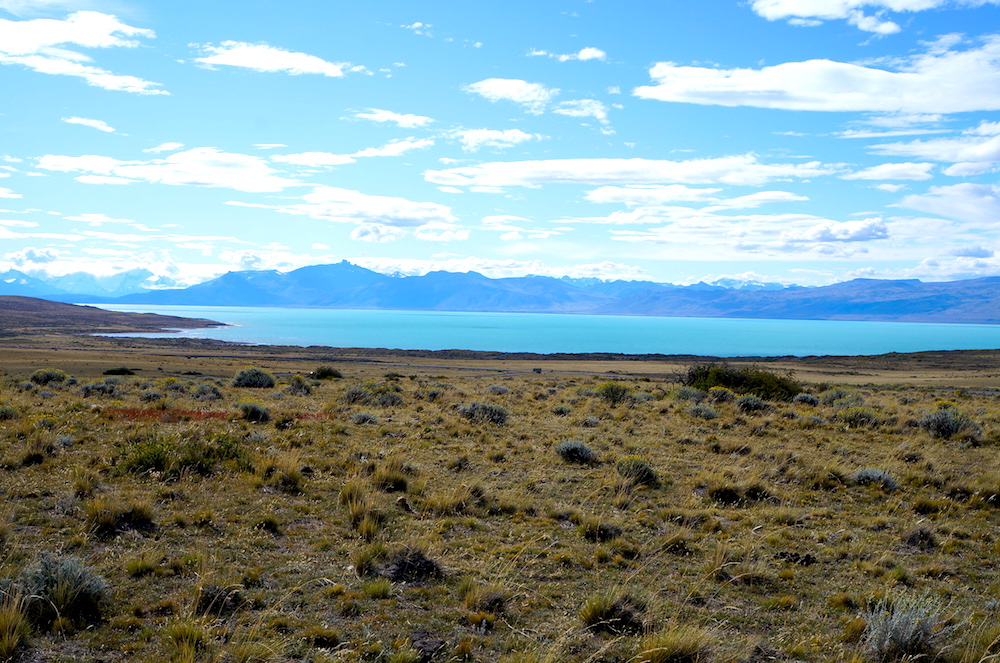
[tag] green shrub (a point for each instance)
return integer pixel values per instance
(297, 386)
(254, 413)
(362, 418)
(721, 395)
(172, 458)
(615, 393)
(867, 476)
(44, 376)
(638, 471)
(841, 397)
(7, 413)
(702, 411)
(207, 392)
(357, 396)
(906, 627)
(484, 413)
(743, 380)
(253, 378)
(575, 451)
(688, 394)
(805, 399)
(859, 417)
(122, 370)
(326, 373)
(562, 410)
(62, 588)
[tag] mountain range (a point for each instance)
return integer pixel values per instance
(344, 285)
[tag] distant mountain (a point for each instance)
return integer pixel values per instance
(115, 285)
(343, 285)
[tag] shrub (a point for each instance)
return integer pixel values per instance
(254, 413)
(805, 399)
(389, 399)
(497, 390)
(591, 422)
(947, 422)
(638, 471)
(107, 387)
(721, 395)
(7, 413)
(597, 531)
(859, 417)
(411, 565)
(905, 627)
(357, 396)
(614, 393)
(122, 370)
(743, 380)
(482, 413)
(253, 378)
(298, 386)
(218, 601)
(750, 403)
(575, 451)
(867, 476)
(689, 394)
(362, 418)
(562, 410)
(612, 612)
(702, 411)
(62, 588)
(326, 373)
(677, 644)
(207, 392)
(44, 376)
(841, 397)
(172, 458)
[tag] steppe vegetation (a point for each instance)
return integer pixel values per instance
(354, 514)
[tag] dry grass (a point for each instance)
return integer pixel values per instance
(318, 539)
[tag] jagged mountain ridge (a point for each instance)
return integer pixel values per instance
(344, 285)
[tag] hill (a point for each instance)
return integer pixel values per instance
(24, 314)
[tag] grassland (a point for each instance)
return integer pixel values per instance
(596, 511)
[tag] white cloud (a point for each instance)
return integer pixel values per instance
(269, 146)
(164, 147)
(441, 232)
(265, 58)
(891, 188)
(87, 122)
(534, 97)
(396, 148)
(969, 169)
(940, 80)
(474, 139)
(103, 179)
(201, 166)
(314, 159)
(756, 200)
(32, 256)
(975, 203)
(95, 220)
(814, 12)
(864, 230)
(39, 44)
(418, 28)
(583, 108)
(393, 148)
(403, 120)
(650, 194)
(893, 171)
(743, 170)
(7, 193)
(587, 53)
(956, 150)
(496, 269)
(376, 232)
(347, 206)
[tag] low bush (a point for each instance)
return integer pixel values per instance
(62, 588)
(721, 395)
(750, 403)
(326, 373)
(743, 380)
(7, 413)
(614, 393)
(638, 471)
(841, 397)
(253, 378)
(906, 627)
(363, 418)
(122, 370)
(947, 422)
(703, 411)
(207, 392)
(297, 386)
(484, 413)
(575, 451)
(44, 376)
(357, 396)
(859, 417)
(497, 390)
(867, 476)
(411, 565)
(255, 413)
(688, 394)
(562, 410)
(805, 399)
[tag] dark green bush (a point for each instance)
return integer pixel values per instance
(121, 370)
(947, 422)
(575, 451)
(615, 393)
(254, 413)
(743, 380)
(44, 376)
(326, 373)
(297, 386)
(7, 412)
(253, 378)
(484, 413)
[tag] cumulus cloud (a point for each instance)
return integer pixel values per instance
(396, 148)
(7, 193)
(41, 45)
(744, 170)
(587, 53)
(403, 120)
(266, 58)
(164, 147)
(376, 232)
(32, 256)
(893, 171)
(87, 122)
(393, 148)
(583, 108)
(976, 203)
(864, 230)
(940, 80)
(533, 97)
(475, 139)
(201, 166)
(814, 12)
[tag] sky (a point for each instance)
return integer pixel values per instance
(789, 141)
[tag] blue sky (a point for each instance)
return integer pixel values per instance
(798, 141)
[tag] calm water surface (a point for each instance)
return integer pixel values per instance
(547, 333)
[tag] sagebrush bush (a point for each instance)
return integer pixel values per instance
(859, 417)
(255, 413)
(253, 378)
(702, 411)
(688, 394)
(297, 386)
(44, 376)
(750, 403)
(743, 380)
(326, 373)
(947, 422)
(841, 397)
(575, 451)
(363, 418)
(207, 392)
(497, 390)
(484, 413)
(638, 471)
(906, 626)
(805, 399)
(7, 413)
(867, 476)
(357, 396)
(58, 587)
(615, 393)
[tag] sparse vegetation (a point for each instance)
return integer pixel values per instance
(253, 378)
(584, 528)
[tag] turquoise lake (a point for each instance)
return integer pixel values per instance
(546, 333)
